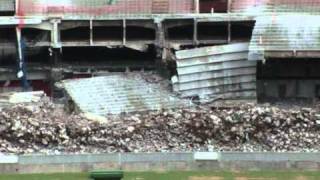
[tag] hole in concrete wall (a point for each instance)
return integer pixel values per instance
(140, 33)
(34, 36)
(241, 32)
(282, 90)
(289, 69)
(8, 49)
(117, 59)
(212, 31)
(107, 30)
(37, 55)
(7, 34)
(75, 31)
(76, 34)
(107, 33)
(288, 79)
(216, 6)
(317, 91)
(184, 32)
(179, 29)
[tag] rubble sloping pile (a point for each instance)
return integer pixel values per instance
(43, 128)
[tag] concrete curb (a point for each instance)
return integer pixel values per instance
(159, 161)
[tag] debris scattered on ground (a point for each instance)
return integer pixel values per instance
(44, 128)
(7, 99)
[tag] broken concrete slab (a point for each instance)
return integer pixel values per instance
(217, 72)
(21, 97)
(121, 93)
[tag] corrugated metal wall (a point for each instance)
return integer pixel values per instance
(279, 6)
(95, 8)
(294, 27)
(216, 72)
(286, 33)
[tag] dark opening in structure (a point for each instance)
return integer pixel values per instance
(136, 33)
(143, 30)
(111, 59)
(179, 30)
(212, 31)
(242, 31)
(35, 36)
(280, 79)
(213, 6)
(8, 43)
(75, 31)
(107, 31)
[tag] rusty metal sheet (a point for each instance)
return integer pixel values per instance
(120, 93)
(285, 33)
(222, 72)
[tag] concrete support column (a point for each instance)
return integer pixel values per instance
(124, 26)
(55, 34)
(55, 56)
(160, 38)
(195, 32)
(91, 32)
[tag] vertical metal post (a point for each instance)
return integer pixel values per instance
(91, 32)
(229, 31)
(229, 23)
(18, 33)
(195, 31)
(21, 72)
(124, 26)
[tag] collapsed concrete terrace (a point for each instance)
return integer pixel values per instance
(77, 39)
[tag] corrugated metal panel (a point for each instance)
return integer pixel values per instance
(278, 6)
(216, 72)
(98, 8)
(253, 6)
(285, 33)
(7, 5)
(115, 94)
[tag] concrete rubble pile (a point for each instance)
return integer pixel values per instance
(43, 128)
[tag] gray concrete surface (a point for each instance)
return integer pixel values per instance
(160, 162)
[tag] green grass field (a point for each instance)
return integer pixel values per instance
(179, 176)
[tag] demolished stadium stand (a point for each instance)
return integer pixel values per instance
(66, 39)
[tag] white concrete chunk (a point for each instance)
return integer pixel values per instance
(206, 156)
